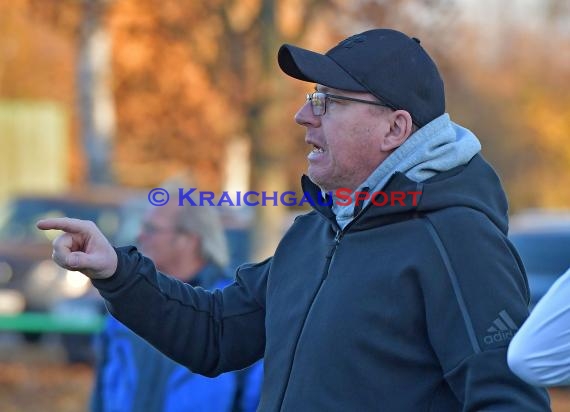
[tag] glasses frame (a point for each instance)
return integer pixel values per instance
(311, 97)
(150, 229)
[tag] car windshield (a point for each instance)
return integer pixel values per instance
(544, 253)
(18, 217)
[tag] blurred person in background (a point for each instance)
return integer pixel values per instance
(406, 306)
(188, 244)
(540, 351)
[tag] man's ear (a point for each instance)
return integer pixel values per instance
(400, 129)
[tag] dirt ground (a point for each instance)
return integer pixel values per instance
(35, 378)
(47, 388)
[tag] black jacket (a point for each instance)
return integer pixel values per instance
(406, 309)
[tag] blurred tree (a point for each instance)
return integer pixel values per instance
(94, 90)
(518, 101)
(171, 114)
(189, 77)
(252, 33)
(81, 24)
(37, 64)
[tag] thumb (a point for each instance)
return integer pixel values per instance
(90, 265)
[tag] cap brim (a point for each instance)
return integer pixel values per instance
(316, 68)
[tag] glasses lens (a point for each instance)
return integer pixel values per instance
(318, 103)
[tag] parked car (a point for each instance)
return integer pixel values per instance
(31, 283)
(29, 280)
(542, 239)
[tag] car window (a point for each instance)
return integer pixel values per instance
(543, 253)
(18, 217)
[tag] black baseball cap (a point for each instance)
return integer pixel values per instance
(386, 63)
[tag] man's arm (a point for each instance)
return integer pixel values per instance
(540, 351)
(476, 298)
(209, 332)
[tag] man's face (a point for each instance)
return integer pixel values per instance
(159, 236)
(345, 140)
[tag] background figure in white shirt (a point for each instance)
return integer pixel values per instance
(540, 351)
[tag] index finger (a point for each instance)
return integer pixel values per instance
(66, 224)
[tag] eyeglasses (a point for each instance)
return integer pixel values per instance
(151, 229)
(319, 101)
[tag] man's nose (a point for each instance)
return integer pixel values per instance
(305, 116)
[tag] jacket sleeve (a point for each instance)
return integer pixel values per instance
(209, 332)
(476, 298)
(540, 351)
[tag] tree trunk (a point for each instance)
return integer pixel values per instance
(95, 97)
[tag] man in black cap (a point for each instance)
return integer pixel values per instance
(405, 305)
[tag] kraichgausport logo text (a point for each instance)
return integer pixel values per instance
(341, 197)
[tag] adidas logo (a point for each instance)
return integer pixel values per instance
(502, 329)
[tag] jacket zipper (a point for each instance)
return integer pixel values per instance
(328, 260)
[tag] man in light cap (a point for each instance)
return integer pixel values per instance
(365, 305)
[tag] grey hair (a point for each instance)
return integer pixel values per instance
(203, 221)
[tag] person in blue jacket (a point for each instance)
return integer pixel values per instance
(403, 299)
(189, 245)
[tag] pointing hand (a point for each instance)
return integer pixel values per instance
(82, 247)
